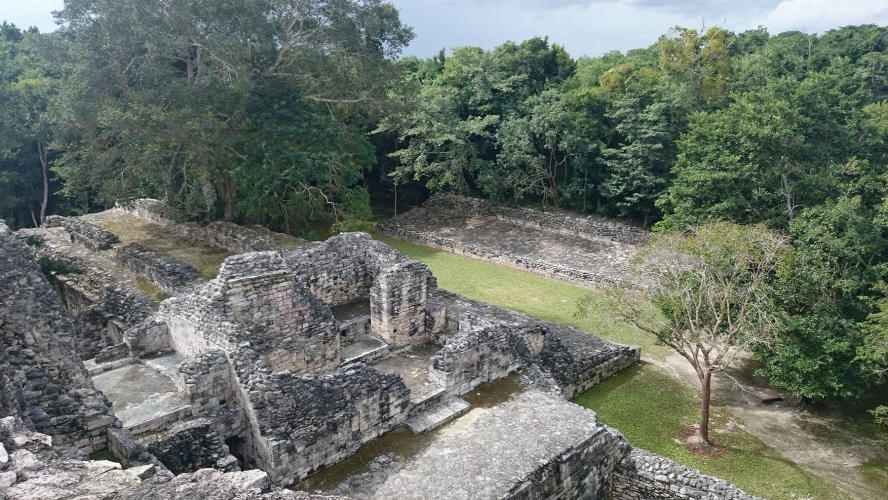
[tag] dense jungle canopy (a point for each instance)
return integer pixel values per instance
(297, 114)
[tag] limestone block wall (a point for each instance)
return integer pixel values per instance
(89, 235)
(300, 423)
(291, 328)
(334, 271)
(398, 302)
(189, 446)
(44, 383)
(167, 273)
(643, 475)
(583, 471)
(227, 235)
(104, 323)
(476, 356)
(590, 227)
(209, 383)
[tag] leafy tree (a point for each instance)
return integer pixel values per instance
(706, 294)
(537, 149)
(158, 92)
(826, 290)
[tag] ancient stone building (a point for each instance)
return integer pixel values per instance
(288, 362)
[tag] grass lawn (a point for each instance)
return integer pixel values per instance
(648, 405)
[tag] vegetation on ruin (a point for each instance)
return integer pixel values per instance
(296, 114)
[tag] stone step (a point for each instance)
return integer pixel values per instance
(365, 349)
(438, 415)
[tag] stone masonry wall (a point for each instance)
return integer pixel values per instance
(189, 446)
(589, 227)
(476, 356)
(227, 235)
(289, 326)
(300, 423)
(643, 475)
(89, 235)
(43, 381)
(167, 273)
(576, 360)
(398, 301)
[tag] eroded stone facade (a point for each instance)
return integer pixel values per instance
(290, 361)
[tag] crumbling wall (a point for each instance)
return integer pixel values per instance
(576, 360)
(44, 383)
(167, 273)
(643, 475)
(232, 237)
(558, 222)
(398, 301)
(191, 445)
(300, 423)
(104, 323)
(476, 356)
(89, 235)
(291, 328)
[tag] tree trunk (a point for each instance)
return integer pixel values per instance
(41, 151)
(706, 383)
(230, 195)
(396, 198)
(787, 193)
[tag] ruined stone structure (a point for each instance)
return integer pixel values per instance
(584, 250)
(287, 362)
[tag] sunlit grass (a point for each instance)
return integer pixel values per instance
(650, 406)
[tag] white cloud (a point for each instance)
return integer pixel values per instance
(584, 27)
(820, 15)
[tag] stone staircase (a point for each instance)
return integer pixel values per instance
(435, 416)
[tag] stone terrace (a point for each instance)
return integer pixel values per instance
(584, 250)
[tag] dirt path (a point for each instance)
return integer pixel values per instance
(791, 431)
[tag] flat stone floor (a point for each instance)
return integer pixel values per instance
(508, 243)
(413, 367)
(488, 451)
(359, 348)
(352, 310)
(139, 392)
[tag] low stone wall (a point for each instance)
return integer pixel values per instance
(559, 222)
(643, 475)
(191, 445)
(167, 273)
(89, 235)
(576, 360)
(599, 252)
(227, 235)
(477, 356)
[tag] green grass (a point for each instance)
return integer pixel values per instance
(648, 405)
(149, 289)
(877, 471)
(521, 291)
(205, 258)
(651, 408)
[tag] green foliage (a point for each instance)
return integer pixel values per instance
(880, 415)
(35, 240)
(52, 267)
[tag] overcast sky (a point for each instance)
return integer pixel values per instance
(584, 27)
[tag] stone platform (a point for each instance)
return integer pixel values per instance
(584, 250)
(536, 445)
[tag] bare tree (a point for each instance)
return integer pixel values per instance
(705, 293)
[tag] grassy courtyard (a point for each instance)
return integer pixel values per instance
(647, 404)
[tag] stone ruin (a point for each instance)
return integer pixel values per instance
(288, 362)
